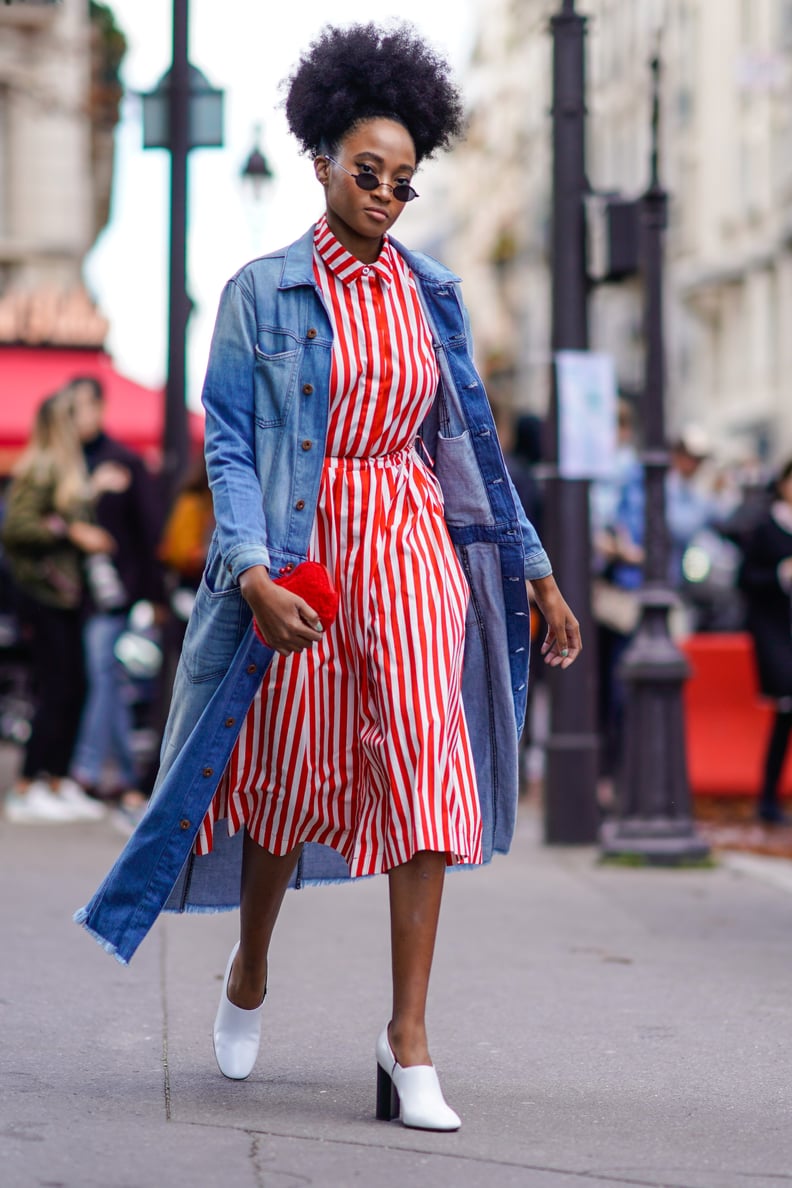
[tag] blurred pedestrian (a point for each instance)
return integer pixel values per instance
(691, 504)
(766, 579)
(131, 514)
(182, 550)
(616, 507)
(324, 369)
(188, 529)
(605, 494)
(49, 533)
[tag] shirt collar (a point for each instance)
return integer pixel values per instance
(346, 266)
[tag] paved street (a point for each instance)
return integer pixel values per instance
(593, 1026)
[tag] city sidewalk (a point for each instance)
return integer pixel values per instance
(592, 1025)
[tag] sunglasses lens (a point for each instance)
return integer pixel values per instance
(369, 181)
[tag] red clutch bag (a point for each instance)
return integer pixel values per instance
(311, 581)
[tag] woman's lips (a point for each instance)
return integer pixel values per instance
(376, 213)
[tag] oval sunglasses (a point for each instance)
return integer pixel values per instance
(402, 191)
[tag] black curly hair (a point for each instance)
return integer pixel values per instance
(367, 71)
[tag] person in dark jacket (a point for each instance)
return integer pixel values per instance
(132, 515)
(766, 579)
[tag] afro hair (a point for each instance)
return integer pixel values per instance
(366, 71)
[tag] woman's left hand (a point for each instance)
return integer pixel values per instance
(562, 644)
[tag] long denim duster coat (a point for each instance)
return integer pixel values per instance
(266, 399)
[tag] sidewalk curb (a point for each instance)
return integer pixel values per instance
(775, 872)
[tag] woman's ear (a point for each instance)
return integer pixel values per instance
(322, 169)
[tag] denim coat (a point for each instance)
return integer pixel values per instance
(266, 396)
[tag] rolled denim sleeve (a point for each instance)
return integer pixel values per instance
(230, 433)
(537, 562)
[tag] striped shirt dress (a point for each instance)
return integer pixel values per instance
(360, 742)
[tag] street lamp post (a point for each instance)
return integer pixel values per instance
(176, 438)
(653, 820)
(570, 806)
(182, 112)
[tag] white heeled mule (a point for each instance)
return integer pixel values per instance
(413, 1093)
(236, 1032)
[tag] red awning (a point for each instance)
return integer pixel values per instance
(135, 413)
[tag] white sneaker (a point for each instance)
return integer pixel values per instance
(83, 806)
(37, 806)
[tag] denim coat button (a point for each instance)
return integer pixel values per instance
(230, 721)
(299, 505)
(308, 389)
(306, 445)
(207, 771)
(184, 823)
(251, 668)
(312, 332)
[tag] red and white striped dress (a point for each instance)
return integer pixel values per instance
(360, 742)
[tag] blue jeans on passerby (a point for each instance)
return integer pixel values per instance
(106, 724)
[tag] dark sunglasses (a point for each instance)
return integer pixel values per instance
(402, 191)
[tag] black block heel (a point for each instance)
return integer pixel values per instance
(387, 1097)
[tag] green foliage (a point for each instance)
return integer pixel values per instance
(657, 861)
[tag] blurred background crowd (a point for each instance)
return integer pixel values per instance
(104, 531)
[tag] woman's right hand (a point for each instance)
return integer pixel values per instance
(90, 538)
(285, 620)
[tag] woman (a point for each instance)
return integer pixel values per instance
(48, 534)
(766, 579)
(343, 413)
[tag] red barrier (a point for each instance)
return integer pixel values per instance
(727, 723)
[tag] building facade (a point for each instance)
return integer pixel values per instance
(59, 94)
(726, 158)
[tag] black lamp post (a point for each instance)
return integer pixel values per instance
(653, 820)
(571, 814)
(181, 113)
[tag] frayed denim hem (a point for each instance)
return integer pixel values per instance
(201, 909)
(325, 881)
(80, 917)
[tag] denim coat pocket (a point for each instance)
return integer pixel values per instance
(274, 382)
(457, 470)
(217, 626)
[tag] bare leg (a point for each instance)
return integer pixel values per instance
(265, 878)
(416, 890)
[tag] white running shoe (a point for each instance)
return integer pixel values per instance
(37, 806)
(84, 807)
